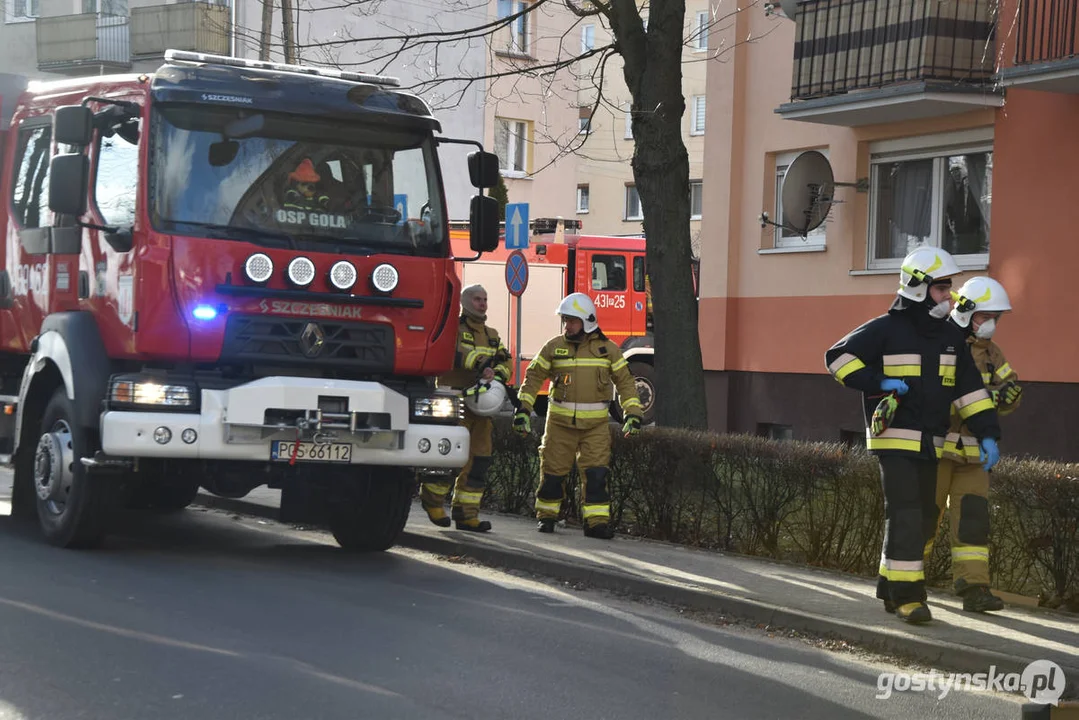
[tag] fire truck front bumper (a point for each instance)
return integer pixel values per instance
(284, 420)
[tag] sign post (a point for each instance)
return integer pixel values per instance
(516, 282)
(516, 226)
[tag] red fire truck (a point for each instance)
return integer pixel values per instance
(561, 260)
(230, 274)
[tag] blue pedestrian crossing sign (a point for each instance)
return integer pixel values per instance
(516, 273)
(400, 204)
(516, 226)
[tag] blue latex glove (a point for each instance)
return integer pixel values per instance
(990, 454)
(894, 385)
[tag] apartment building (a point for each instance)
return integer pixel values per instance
(925, 109)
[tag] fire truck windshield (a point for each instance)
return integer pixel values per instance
(320, 184)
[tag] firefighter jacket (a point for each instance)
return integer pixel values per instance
(959, 444)
(581, 374)
(478, 346)
(932, 357)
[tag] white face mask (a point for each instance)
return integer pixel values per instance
(941, 310)
(986, 329)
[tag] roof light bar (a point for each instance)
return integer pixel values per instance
(197, 57)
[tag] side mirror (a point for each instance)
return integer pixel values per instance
(483, 224)
(483, 169)
(69, 179)
(73, 125)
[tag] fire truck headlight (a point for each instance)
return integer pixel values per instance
(258, 268)
(343, 275)
(301, 271)
(438, 409)
(134, 391)
(385, 278)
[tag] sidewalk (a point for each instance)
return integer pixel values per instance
(816, 601)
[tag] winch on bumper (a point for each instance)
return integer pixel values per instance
(283, 419)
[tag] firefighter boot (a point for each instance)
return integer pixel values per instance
(914, 613)
(600, 532)
(546, 525)
(432, 497)
(549, 501)
(978, 599)
(889, 606)
(467, 496)
(596, 506)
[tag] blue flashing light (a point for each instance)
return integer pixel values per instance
(204, 312)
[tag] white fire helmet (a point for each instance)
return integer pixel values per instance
(488, 402)
(579, 305)
(979, 294)
(921, 268)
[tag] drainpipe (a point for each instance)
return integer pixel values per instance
(232, 27)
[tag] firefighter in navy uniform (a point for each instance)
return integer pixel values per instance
(582, 364)
(962, 482)
(482, 357)
(911, 366)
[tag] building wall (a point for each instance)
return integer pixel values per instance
(768, 314)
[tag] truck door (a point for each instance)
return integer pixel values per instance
(641, 317)
(609, 291)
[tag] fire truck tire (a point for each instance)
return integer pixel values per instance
(370, 511)
(74, 508)
(644, 375)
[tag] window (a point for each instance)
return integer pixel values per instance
(940, 197)
(511, 139)
(638, 274)
(773, 431)
(633, 204)
(582, 198)
(29, 199)
(701, 31)
(24, 9)
(629, 121)
(608, 272)
(851, 438)
(785, 238)
(696, 200)
(519, 31)
(588, 38)
(696, 121)
(117, 181)
(584, 120)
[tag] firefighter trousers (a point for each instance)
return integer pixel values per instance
(471, 480)
(910, 512)
(591, 449)
(963, 489)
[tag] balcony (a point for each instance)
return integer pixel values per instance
(864, 62)
(1046, 47)
(194, 26)
(91, 43)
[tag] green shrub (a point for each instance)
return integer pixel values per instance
(814, 503)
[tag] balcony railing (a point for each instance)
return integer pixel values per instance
(845, 45)
(83, 42)
(195, 26)
(1048, 30)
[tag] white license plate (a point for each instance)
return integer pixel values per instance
(281, 451)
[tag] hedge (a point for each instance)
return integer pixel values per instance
(817, 504)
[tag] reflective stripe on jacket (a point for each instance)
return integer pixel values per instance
(477, 345)
(960, 445)
(583, 376)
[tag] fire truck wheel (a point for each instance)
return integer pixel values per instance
(370, 511)
(73, 508)
(644, 376)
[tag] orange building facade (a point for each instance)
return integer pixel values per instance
(954, 124)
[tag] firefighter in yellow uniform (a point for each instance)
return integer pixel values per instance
(581, 365)
(962, 482)
(481, 356)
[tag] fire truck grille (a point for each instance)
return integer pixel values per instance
(311, 342)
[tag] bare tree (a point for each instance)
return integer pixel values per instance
(651, 59)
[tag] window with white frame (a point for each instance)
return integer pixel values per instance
(696, 120)
(696, 199)
(629, 121)
(518, 33)
(582, 198)
(511, 145)
(931, 191)
(700, 38)
(784, 237)
(588, 37)
(22, 10)
(633, 204)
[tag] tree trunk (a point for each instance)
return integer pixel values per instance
(653, 73)
(267, 29)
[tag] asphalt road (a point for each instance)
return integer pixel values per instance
(207, 616)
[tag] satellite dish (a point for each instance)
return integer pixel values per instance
(806, 194)
(790, 8)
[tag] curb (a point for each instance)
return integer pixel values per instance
(930, 650)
